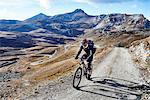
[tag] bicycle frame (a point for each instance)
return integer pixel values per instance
(86, 71)
(84, 66)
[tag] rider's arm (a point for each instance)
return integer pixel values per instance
(91, 51)
(81, 47)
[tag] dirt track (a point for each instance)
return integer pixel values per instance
(110, 81)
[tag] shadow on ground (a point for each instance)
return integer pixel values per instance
(115, 88)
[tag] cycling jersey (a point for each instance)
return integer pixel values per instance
(89, 51)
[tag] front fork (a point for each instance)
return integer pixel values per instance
(87, 71)
(84, 69)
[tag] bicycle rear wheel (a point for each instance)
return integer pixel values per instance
(77, 77)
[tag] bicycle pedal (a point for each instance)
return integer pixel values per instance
(89, 78)
(85, 74)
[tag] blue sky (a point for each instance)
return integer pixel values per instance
(23, 9)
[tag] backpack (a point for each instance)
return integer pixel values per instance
(91, 45)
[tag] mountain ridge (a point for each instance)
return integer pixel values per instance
(40, 16)
(76, 22)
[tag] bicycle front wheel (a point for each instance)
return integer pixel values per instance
(77, 77)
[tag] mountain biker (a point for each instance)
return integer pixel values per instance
(88, 47)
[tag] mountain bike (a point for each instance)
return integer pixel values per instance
(82, 70)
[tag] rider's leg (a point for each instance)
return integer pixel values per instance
(89, 70)
(90, 62)
(89, 66)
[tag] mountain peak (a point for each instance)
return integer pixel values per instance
(79, 11)
(71, 16)
(39, 16)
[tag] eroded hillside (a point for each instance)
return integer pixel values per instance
(36, 66)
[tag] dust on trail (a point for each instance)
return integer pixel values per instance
(117, 69)
(118, 64)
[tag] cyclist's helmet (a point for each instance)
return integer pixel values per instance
(85, 42)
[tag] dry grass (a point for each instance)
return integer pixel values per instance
(53, 67)
(146, 41)
(54, 70)
(56, 59)
(121, 39)
(60, 64)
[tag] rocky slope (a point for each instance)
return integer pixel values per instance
(141, 55)
(31, 39)
(32, 73)
(118, 22)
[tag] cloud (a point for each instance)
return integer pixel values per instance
(16, 3)
(86, 2)
(108, 1)
(134, 6)
(83, 1)
(45, 3)
(5, 15)
(10, 2)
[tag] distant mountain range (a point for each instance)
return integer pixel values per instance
(76, 22)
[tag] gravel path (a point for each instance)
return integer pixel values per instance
(110, 81)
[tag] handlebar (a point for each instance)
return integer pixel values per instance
(81, 60)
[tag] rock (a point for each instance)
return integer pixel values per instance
(36, 92)
(28, 67)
